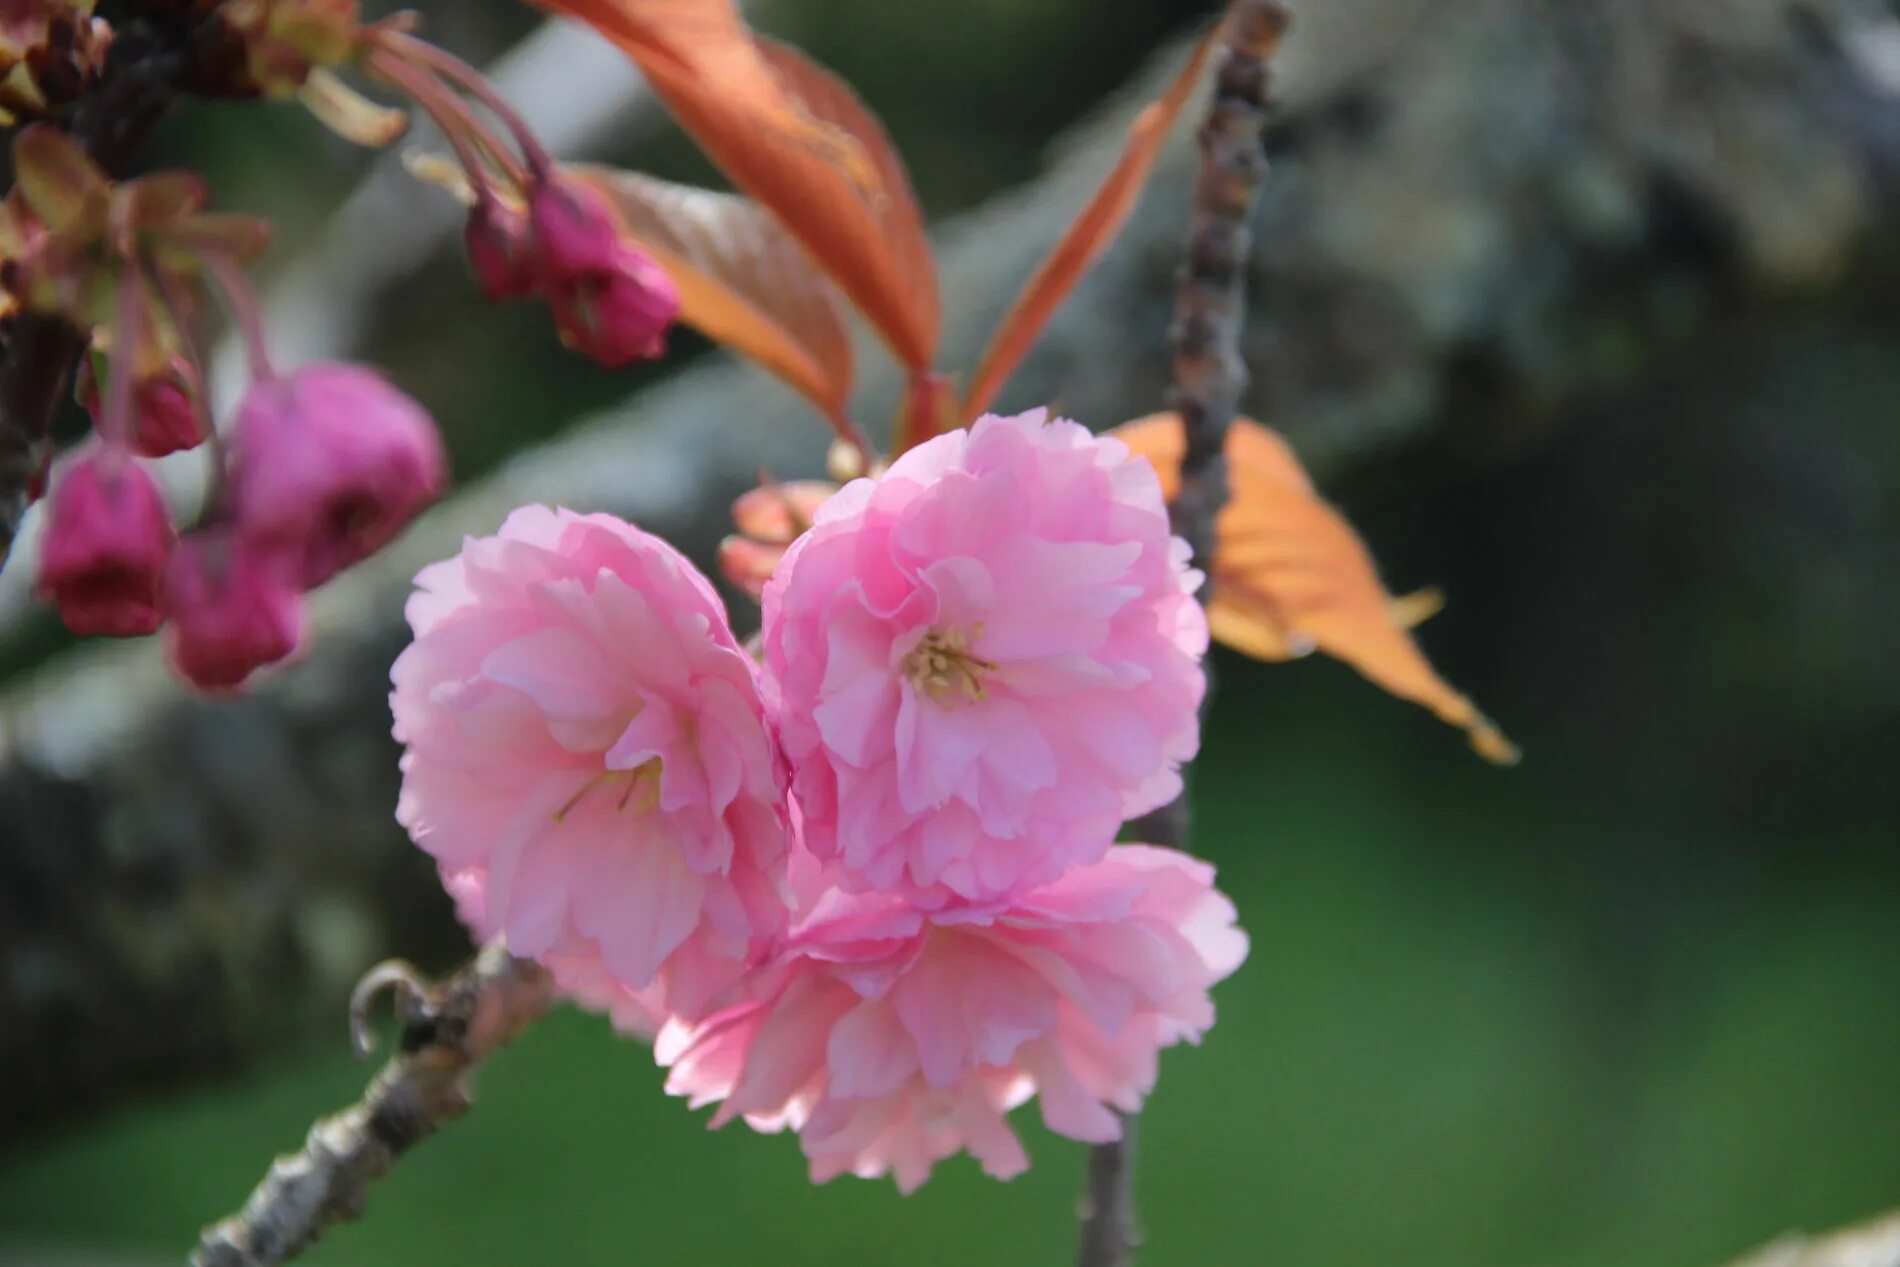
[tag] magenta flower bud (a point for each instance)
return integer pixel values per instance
(232, 609)
(330, 463)
(501, 250)
(574, 230)
(166, 417)
(36, 486)
(620, 315)
(108, 535)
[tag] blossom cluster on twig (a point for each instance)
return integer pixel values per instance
(323, 465)
(864, 887)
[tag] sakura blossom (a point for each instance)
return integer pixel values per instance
(890, 1037)
(588, 760)
(990, 657)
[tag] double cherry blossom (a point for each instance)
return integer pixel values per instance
(867, 889)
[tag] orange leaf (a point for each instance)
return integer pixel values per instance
(796, 139)
(889, 272)
(742, 280)
(1291, 576)
(704, 48)
(1091, 233)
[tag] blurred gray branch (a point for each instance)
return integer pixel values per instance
(1874, 1244)
(1456, 239)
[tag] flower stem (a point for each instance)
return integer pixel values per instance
(419, 52)
(476, 148)
(178, 307)
(128, 328)
(241, 300)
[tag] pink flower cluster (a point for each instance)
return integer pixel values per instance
(866, 889)
(325, 466)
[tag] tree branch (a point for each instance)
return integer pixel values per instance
(1873, 1244)
(449, 1028)
(1109, 1234)
(1210, 377)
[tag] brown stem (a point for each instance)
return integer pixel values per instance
(151, 59)
(449, 1029)
(246, 315)
(422, 53)
(1209, 380)
(1109, 1234)
(1210, 302)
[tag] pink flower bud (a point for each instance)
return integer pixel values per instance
(620, 315)
(747, 564)
(166, 417)
(107, 538)
(232, 610)
(501, 249)
(330, 463)
(780, 513)
(574, 230)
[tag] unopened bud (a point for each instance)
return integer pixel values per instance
(747, 564)
(167, 413)
(108, 535)
(330, 463)
(574, 230)
(619, 315)
(780, 513)
(232, 608)
(501, 250)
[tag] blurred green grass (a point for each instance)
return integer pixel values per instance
(1481, 1025)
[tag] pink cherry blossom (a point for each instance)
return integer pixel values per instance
(330, 463)
(108, 535)
(587, 759)
(990, 658)
(890, 1038)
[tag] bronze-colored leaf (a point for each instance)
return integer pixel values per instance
(743, 281)
(1091, 233)
(793, 137)
(1290, 576)
(891, 275)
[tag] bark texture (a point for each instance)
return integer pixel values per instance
(449, 1029)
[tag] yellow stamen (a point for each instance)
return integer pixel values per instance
(643, 779)
(942, 665)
